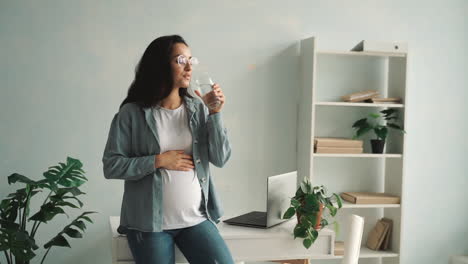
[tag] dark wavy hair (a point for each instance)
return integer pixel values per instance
(153, 74)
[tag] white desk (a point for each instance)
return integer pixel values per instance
(245, 243)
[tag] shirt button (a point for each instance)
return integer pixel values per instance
(203, 179)
(196, 141)
(198, 160)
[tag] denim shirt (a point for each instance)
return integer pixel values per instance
(130, 153)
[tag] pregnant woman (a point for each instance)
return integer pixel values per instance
(160, 143)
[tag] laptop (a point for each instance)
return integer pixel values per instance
(280, 190)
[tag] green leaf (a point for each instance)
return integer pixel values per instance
(289, 213)
(374, 115)
(307, 243)
(332, 209)
(388, 112)
(306, 220)
(314, 234)
(58, 241)
(73, 232)
(80, 224)
(73, 190)
(395, 126)
(311, 203)
(20, 244)
(295, 203)
(87, 213)
(68, 175)
(47, 212)
(381, 132)
(361, 123)
(15, 177)
(4, 239)
(323, 222)
(74, 198)
(62, 203)
(299, 193)
(362, 131)
(87, 219)
(338, 200)
(300, 231)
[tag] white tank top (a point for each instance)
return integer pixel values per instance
(182, 196)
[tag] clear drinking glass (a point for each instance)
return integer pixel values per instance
(203, 82)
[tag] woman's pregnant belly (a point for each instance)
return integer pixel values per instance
(182, 198)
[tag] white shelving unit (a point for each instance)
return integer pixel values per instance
(325, 77)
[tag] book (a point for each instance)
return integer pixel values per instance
(360, 96)
(339, 248)
(337, 142)
(338, 150)
(384, 100)
(377, 235)
(387, 240)
(370, 198)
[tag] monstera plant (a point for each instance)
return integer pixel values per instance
(62, 182)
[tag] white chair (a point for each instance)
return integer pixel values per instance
(352, 245)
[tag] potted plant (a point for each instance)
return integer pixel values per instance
(63, 180)
(308, 205)
(362, 126)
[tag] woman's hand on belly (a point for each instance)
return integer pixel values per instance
(174, 160)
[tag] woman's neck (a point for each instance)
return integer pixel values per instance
(173, 101)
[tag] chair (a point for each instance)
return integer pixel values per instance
(352, 245)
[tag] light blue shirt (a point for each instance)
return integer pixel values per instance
(130, 154)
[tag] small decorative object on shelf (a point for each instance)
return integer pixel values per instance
(381, 46)
(308, 205)
(362, 126)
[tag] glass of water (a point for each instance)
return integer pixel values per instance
(204, 84)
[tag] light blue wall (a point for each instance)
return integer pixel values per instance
(65, 66)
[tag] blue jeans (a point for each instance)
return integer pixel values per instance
(200, 244)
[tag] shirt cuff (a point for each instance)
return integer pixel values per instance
(215, 120)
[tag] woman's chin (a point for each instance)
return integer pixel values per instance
(184, 85)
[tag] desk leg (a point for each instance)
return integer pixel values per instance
(292, 261)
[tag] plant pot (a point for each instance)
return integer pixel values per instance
(318, 218)
(377, 146)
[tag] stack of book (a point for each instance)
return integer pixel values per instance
(337, 145)
(370, 198)
(388, 100)
(360, 96)
(379, 237)
(339, 248)
(370, 96)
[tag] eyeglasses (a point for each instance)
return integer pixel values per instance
(182, 60)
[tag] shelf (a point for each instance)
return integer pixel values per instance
(368, 253)
(363, 155)
(353, 206)
(362, 53)
(359, 104)
(364, 253)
